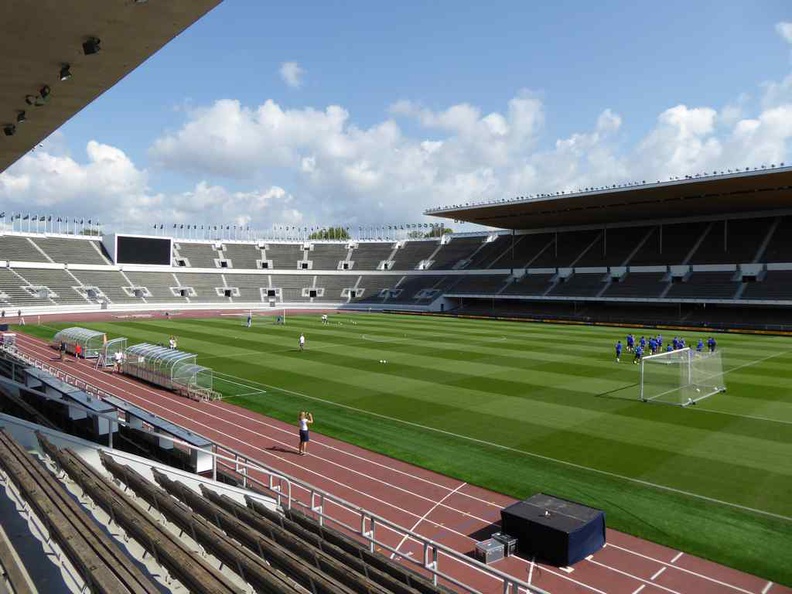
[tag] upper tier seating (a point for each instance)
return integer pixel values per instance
(159, 285)
(530, 284)
(613, 247)
(285, 256)
(19, 249)
(565, 249)
(521, 251)
(732, 242)
(480, 284)
(412, 252)
(326, 256)
(73, 251)
(779, 249)
(668, 244)
(199, 255)
(368, 255)
(456, 250)
(242, 255)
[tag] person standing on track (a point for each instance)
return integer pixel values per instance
(303, 420)
(302, 342)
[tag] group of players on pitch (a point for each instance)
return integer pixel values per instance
(655, 346)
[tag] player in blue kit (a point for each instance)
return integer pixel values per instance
(711, 344)
(643, 342)
(669, 348)
(652, 345)
(618, 351)
(675, 342)
(630, 343)
(700, 346)
(659, 341)
(638, 354)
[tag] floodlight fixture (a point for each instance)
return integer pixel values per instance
(65, 72)
(92, 45)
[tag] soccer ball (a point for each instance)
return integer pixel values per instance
(382, 360)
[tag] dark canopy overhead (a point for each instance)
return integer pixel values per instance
(750, 191)
(39, 37)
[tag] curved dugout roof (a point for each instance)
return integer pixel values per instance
(38, 37)
(748, 191)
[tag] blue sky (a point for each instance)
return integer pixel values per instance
(570, 62)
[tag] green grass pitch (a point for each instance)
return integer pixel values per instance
(527, 407)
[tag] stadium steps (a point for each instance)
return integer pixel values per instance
(768, 238)
(293, 518)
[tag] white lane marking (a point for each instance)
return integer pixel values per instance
(657, 574)
(639, 588)
(767, 587)
(422, 518)
(640, 579)
(682, 569)
(676, 557)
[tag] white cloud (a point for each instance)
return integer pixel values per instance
(785, 31)
(292, 74)
(316, 166)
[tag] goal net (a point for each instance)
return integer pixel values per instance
(263, 317)
(681, 377)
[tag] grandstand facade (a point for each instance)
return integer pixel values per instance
(714, 268)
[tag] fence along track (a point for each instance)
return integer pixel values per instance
(170, 551)
(105, 568)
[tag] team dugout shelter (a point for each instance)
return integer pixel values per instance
(169, 368)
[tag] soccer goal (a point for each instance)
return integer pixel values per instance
(263, 317)
(681, 377)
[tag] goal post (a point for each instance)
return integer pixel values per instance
(681, 377)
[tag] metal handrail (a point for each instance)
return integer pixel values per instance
(431, 556)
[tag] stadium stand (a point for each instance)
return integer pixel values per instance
(11, 292)
(647, 285)
(249, 285)
(159, 285)
(20, 249)
(285, 256)
(242, 255)
(779, 248)
(59, 281)
(109, 282)
(326, 256)
(732, 242)
(368, 255)
(704, 285)
(197, 255)
(205, 285)
(530, 284)
(669, 244)
(70, 251)
(579, 285)
(456, 253)
(412, 253)
(484, 284)
(775, 285)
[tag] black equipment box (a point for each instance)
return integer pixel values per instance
(509, 543)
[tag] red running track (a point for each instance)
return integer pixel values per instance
(437, 507)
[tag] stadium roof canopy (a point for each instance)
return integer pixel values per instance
(715, 195)
(39, 37)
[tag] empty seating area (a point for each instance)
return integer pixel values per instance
(333, 285)
(704, 285)
(479, 283)
(204, 284)
(326, 256)
(73, 251)
(530, 285)
(158, 283)
(412, 252)
(59, 281)
(242, 255)
(565, 249)
(668, 244)
(285, 256)
(249, 285)
(11, 286)
(292, 285)
(19, 249)
(779, 249)
(613, 247)
(638, 284)
(579, 285)
(368, 255)
(198, 255)
(520, 251)
(732, 242)
(776, 285)
(109, 282)
(456, 251)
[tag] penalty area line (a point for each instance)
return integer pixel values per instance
(538, 456)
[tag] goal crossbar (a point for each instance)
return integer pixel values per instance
(681, 377)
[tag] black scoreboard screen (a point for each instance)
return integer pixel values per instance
(143, 250)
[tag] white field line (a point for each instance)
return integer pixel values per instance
(677, 557)
(639, 588)
(535, 455)
(422, 518)
(682, 569)
(767, 587)
(657, 574)
(408, 512)
(640, 579)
